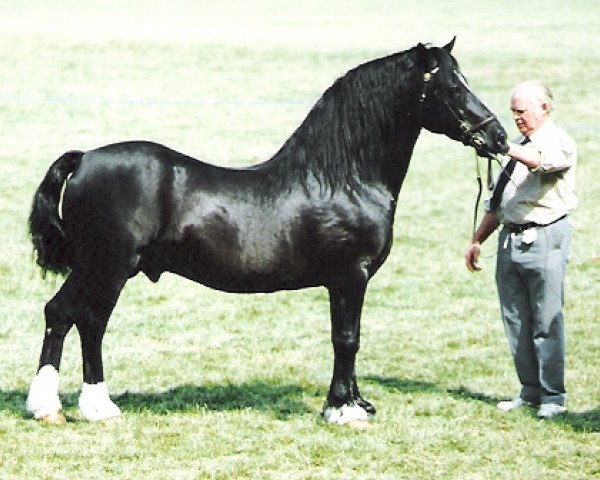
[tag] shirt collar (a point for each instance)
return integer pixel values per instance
(540, 132)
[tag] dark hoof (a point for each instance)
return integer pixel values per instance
(367, 406)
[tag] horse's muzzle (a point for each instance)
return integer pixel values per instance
(490, 140)
(499, 140)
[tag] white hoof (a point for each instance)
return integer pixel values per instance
(95, 404)
(42, 400)
(345, 414)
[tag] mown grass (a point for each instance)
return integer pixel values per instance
(223, 386)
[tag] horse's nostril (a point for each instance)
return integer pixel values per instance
(500, 136)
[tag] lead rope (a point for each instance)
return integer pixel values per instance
(490, 185)
(479, 192)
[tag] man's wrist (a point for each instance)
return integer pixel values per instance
(536, 167)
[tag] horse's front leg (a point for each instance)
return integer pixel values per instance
(344, 403)
(360, 401)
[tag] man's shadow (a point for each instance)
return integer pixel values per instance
(586, 421)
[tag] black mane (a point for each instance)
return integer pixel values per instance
(328, 144)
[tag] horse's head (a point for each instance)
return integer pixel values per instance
(449, 106)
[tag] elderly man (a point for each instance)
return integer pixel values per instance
(532, 199)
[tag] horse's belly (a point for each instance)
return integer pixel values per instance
(237, 277)
(251, 252)
(229, 265)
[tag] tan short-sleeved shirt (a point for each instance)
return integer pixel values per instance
(546, 194)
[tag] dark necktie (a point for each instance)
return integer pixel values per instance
(503, 180)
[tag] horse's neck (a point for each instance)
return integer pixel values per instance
(390, 154)
(394, 172)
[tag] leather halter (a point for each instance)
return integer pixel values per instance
(471, 133)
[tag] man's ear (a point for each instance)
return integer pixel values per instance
(546, 107)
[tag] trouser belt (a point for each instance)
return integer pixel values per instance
(521, 227)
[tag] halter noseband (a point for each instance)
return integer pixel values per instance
(471, 132)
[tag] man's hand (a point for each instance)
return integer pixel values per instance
(472, 257)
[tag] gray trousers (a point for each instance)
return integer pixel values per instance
(530, 281)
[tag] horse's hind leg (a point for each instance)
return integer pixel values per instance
(102, 292)
(86, 301)
(43, 401)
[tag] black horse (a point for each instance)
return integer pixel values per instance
(318, 213)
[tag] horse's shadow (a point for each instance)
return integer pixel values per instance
(583, 421)
(280, 401)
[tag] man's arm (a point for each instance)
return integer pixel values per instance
(527, 155)
(488, 224)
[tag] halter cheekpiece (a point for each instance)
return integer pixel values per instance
(427, 76)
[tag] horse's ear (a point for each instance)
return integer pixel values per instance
(450, 45)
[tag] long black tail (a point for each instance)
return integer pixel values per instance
(49, 239)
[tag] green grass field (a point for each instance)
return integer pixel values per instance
(223, 386)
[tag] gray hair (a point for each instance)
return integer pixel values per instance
(538, 90)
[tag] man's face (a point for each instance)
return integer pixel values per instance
(529, 111)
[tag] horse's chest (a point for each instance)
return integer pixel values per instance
(343, 232)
